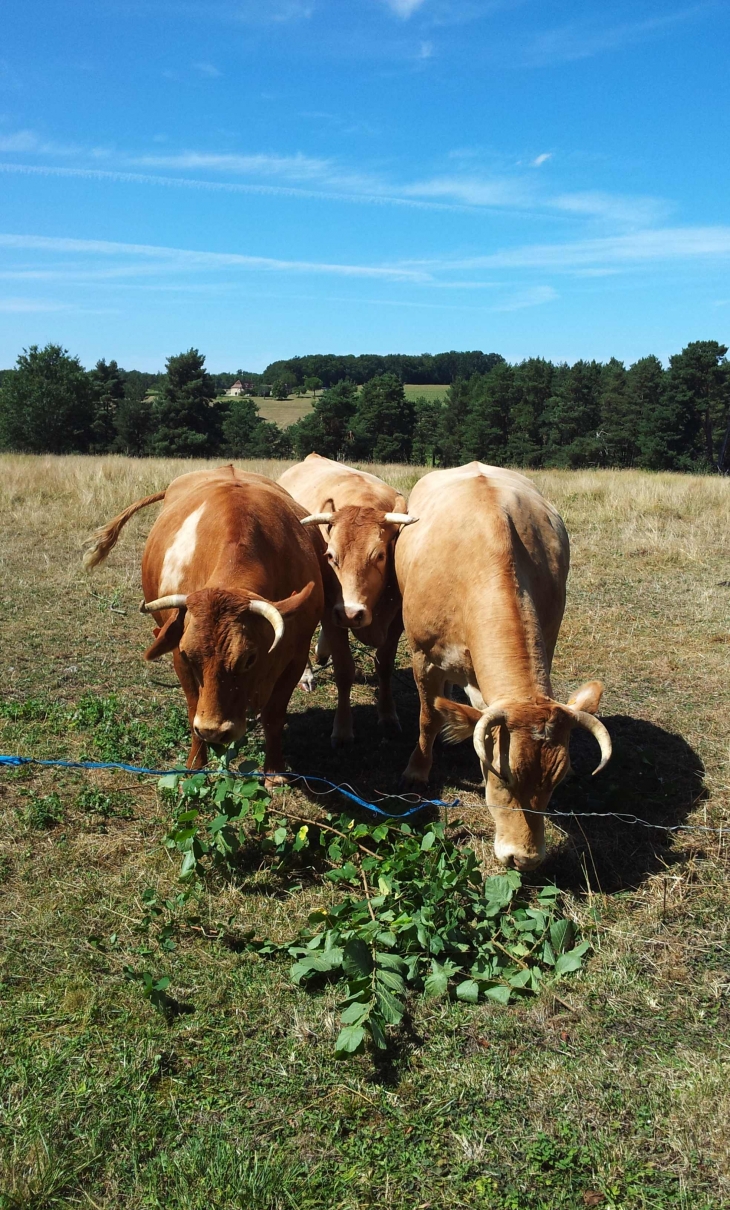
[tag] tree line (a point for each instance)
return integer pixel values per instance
(530, 414)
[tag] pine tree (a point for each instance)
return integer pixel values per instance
(571, 419)
(484, 431)
(186, 422)
(46, 403)
(533, 387)
(618, 431)
(326, 430)
(247, 435)
(108, 392)
(427, 431)
(698, 392)
(453, 418)
(384, 420)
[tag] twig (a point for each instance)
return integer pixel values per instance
(512, 957)
(367, 894)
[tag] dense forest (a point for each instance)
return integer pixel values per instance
(530, 414)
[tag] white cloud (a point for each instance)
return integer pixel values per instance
(582, 40)
(533, 296)
(404, 8)
(209, 70)
(188, 259)
(642, 247)
(470, 191)
(539, 160)
(615, 208)
(177, 182)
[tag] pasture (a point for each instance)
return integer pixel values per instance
(429, 391)
(609, 1091)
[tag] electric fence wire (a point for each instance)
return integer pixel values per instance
(414, 802)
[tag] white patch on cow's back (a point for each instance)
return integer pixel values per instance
(179, 554)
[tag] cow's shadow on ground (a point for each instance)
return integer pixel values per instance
(654, 775)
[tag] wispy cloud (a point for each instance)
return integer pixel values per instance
(194, 259)
(539, 160)
(208, 70)
(584, 39)
(404, 8)
(533, 296)
(177, 182)
(643, 247)
(302, 175)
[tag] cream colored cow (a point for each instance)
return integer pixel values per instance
(482, 578)
(360, 517)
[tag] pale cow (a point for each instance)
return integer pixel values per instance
(360, 518)
(234, 583)
(483, 578)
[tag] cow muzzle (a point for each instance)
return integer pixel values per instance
(352, 616)
(214, 733)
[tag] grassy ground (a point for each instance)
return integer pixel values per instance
(614, 1095)
(414, 391)
(285, 411)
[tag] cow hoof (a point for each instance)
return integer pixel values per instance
(342, 741)
(307, 683)
(273, 783)
(389, 725)
(413, 782)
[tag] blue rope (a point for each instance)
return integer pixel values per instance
(346, 791)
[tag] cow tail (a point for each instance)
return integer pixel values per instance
(105, 539)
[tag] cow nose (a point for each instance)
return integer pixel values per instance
(213, 733)
(353, 615)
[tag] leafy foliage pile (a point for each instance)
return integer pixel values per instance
(414, 913)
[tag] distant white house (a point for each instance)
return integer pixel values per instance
(237, 388)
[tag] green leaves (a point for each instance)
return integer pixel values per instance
(411, 913)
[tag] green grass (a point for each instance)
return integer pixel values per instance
(612, 1092)
(414, 391)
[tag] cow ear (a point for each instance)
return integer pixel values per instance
(400, 506)
(292, 603)
(587, 698)
(167, 637)
(329, 506)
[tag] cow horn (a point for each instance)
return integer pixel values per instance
(176, 601)
(483, 742)
(399, 519)
(318, 519)
(599, 733)
(272, 615)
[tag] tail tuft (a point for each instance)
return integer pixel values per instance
(105, 539)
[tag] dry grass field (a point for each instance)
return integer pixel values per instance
(429, 391)
(612, 1092)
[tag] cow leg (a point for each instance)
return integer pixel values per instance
(273, 717)
(430, 681)
(198, 754)
(322, 652)
(337, 640)
(384, 662)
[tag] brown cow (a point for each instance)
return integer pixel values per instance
(483, 581)
(235, 586)
(360, 517)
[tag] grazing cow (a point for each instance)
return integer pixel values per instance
(360, 517)
(235, 586)
(483, 581)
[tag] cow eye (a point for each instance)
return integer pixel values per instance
(247, 661)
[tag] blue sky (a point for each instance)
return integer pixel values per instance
(265, 178)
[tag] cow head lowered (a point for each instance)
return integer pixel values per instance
(223, 648)
(523, 749)
(359, 551)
